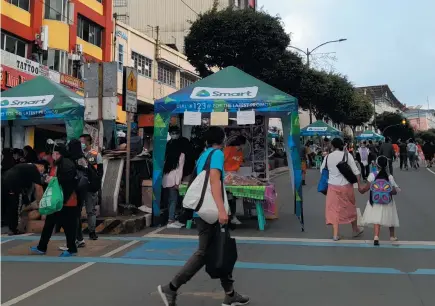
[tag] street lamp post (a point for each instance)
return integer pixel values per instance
(308, 54)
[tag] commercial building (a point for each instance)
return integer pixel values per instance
(172, 17)
(420, 119)
(60, 34)
(161, 69)
(53, 38)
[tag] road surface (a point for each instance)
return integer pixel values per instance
(279, 267)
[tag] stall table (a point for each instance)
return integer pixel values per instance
(256, 193)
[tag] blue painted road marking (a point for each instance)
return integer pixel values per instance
(264, 241)
(240, 265)
(176, 250)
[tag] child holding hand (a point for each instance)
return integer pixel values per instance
(381, 208)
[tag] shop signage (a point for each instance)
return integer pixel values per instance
(71, 82)
(44, 71)
(210, 93)
(317, 129)
(122, 35)
(11, 77)
(26, 65)
(35, 101)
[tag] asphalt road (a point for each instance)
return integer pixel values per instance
(280, 266)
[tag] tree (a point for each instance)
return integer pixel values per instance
(391, 125)
(312, 90)
(426, 135)
(359, 110)
(250, 40)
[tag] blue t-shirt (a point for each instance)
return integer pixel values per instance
(217, 161)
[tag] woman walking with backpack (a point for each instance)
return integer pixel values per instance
(381, 209)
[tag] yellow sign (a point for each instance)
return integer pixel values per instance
(131, 82)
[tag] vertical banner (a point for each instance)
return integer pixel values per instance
(161, 126)
(291, 130)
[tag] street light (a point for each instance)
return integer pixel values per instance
(308, 54)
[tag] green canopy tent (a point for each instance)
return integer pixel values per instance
(320, 128)
(367, 135)
(229, 90)
(42, 101)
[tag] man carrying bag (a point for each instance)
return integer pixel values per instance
(214, 137)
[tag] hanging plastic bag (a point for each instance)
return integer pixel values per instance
(222, 254)
(52, 199)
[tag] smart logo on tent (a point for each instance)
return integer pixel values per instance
(203, 93)
(5, 103)
(211, 93)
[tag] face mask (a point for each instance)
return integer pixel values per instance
(83, 146)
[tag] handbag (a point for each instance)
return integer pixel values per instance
(344, 168)
(322, 186)
(221, 253)
(199, 197)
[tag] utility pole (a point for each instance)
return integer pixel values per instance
(100, 106)
(308, 54)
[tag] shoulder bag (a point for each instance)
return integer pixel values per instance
(323, 182)
(346, 170)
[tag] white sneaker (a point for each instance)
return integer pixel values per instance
(175, 224)
(394, 239)
(79, 244)
(235, 221)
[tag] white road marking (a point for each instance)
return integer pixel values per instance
(20, 235)
(307, 240)
(4, 241)
(430, 171)
(64, 276)
(155, 232)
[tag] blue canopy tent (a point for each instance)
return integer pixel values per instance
(229, 90)
(367, 135)
(320, 128)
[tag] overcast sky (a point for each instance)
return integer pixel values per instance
(389, 41)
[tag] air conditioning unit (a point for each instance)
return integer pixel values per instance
(79, 48)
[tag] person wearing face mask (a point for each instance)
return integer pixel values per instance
(66, 172)
(233, 160)
(95, 160)
(186, 149)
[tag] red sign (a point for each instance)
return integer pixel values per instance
(11, 77)
(71, 82)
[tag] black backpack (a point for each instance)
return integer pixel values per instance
(94, 179)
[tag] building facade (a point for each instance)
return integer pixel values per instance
(161, 69)
(171, 17)
(60, 34)
(420, 119)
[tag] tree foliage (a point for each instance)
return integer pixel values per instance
(250, 40)
(390, 124)
(359, 111)
(426, 135)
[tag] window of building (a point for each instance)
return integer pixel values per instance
(89, 31)
(120, 57)
(56, 10)
(24, 4)
(186, 80)
(56, 60)
(142, 64)
(13, 45)
(166, 75)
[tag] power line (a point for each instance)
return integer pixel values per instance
(189, 7)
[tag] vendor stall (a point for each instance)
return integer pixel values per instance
(40, 101)
(231, 91)
(320, 128)
(370, 135)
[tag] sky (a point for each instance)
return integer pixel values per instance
(388, 41)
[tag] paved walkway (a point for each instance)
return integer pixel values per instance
(280, 266)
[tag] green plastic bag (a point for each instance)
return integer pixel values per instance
(52, 199)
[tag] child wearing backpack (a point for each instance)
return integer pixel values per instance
(381, 208)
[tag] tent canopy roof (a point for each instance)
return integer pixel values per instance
(369, 134)
(229, 89)
(40, 98)
(320, 128)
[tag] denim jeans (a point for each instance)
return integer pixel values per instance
(172, 198)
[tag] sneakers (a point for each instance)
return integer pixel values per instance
(394, 239)
(376, 241)
(36, 251)
(235, 300)
(235, 221)
(168, 296)
(358, 233)
(67, 254)
(93, 236)
(175, 224)
(79, 244)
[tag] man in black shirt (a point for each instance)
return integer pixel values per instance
(403, 154)
(15, 181)
(387, 150)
